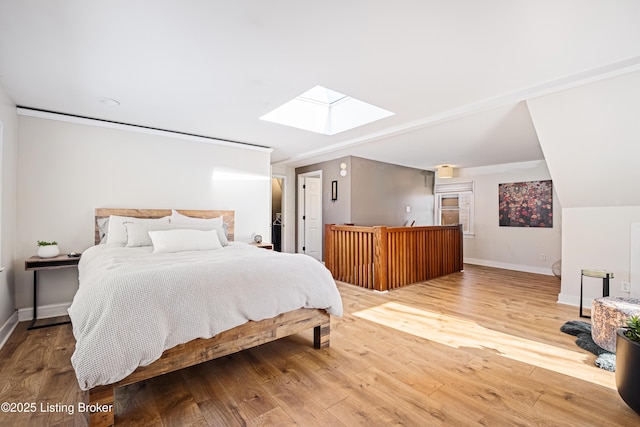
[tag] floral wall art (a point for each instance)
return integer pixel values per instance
(526, 204)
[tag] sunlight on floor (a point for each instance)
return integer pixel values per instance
(460, 333)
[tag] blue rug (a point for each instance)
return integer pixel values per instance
(582, 331)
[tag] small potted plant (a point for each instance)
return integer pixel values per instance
(48, 249)
(628, 362)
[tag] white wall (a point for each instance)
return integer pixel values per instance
(590, 138)
(600, 238)
(8, 156)
(513, 248)
(66, 170)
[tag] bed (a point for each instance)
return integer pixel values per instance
(141, 311)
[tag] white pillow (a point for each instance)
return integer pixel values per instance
(138, 232)
(178, 218)
(184, 240)
(117, 233)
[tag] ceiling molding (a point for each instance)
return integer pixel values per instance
(49, 115)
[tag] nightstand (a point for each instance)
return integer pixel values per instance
(36, 264)
(263, 245)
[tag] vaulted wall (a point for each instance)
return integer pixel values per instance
(590, 136)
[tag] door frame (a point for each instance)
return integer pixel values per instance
(301, 202)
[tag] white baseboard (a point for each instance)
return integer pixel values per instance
(45, 311)
(507, 266)
(7, 329)
(575, 301)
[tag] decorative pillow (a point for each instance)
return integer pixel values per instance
(184, 240)
(117, 233)
(178, 218)
(138, 232)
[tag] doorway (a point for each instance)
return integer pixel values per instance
(310, 214)
(277, 208)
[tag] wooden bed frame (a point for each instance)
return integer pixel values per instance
(251, 334)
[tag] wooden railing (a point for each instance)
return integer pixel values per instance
(384, 258)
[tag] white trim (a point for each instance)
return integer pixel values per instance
(133, 128)
(7, 329)
(45, 311)
(454, 187)
(507, 266)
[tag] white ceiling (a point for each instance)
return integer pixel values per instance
(455, 73)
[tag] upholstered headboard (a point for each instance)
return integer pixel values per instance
(227, 216)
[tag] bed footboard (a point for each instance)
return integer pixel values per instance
(100, 409)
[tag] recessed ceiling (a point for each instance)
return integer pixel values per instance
(454, 73)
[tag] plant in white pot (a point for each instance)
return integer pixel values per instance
(48, 249)
(628, 363)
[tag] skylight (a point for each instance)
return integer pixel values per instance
(325, 111)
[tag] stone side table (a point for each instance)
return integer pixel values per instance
(607, 315)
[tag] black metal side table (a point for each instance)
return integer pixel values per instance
(598, 274)
(36, 264)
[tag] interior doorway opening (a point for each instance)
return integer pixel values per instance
(277, 208)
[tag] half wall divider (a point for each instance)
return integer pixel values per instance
(384, 258)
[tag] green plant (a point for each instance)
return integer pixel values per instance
(633, 328)
(41, 243)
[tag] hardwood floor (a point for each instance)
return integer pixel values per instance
(481, 347)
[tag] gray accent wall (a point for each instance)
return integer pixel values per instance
(381, 194)
(373, 193)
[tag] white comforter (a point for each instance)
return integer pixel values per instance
(133, 304)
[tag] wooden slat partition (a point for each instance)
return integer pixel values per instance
(349, 254)
(384, 258)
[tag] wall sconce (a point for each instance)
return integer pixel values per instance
(343, 169)
(445, 171)
(334, 191)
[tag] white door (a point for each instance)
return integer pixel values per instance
(311, 216)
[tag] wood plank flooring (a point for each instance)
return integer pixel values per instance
(480, 347)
